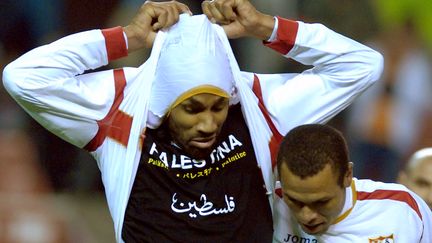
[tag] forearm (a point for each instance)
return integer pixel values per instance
(342, 70)
(331, 54)
(48, 84)
(261, 27)
(68, 57)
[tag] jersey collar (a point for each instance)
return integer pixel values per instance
(350, 201)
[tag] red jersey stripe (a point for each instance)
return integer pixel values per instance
(276, 138)
(116, 124)
(115, 43)
(401, 196)
(286, 36)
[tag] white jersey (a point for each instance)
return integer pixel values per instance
(374, 212)
(95, 110)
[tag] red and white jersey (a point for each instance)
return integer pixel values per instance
(95, 110)
(374, 212)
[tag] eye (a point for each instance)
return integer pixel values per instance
(291, 201)
(220, 106)
(192, 109)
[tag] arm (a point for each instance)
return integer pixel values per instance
(48, 82)
(342, 68)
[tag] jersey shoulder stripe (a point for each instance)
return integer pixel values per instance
(397, 195)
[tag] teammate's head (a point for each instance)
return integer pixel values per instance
(417, 174)
(314, 170)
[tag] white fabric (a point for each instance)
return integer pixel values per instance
(139, 105)
(191, 55)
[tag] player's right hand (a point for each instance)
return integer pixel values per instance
(152, 17)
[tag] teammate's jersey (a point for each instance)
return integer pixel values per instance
(374, 212)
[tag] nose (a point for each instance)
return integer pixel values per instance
(307, 215)
(207, 123)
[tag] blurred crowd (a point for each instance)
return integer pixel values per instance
(39, 171)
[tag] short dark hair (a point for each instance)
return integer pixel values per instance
(307, 149)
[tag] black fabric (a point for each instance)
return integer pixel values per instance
(221, 199)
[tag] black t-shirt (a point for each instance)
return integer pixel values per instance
(220, 199)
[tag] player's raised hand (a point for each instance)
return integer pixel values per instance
(239, 18)
(150, 18)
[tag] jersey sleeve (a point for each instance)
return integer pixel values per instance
(417, 225)
(426, 219)
(340, 69)
(50, 84)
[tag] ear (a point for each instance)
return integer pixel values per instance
(348, 175)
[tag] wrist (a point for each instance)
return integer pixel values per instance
(115, 43)
(133, 39)
(264, 27)
(273, 35)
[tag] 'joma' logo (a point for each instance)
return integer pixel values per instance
(298, 239)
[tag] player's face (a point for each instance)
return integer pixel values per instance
(196, 122)
(316, 201)
(420, 180)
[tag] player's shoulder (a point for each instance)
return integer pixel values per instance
(369, 191)
(370, 186)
